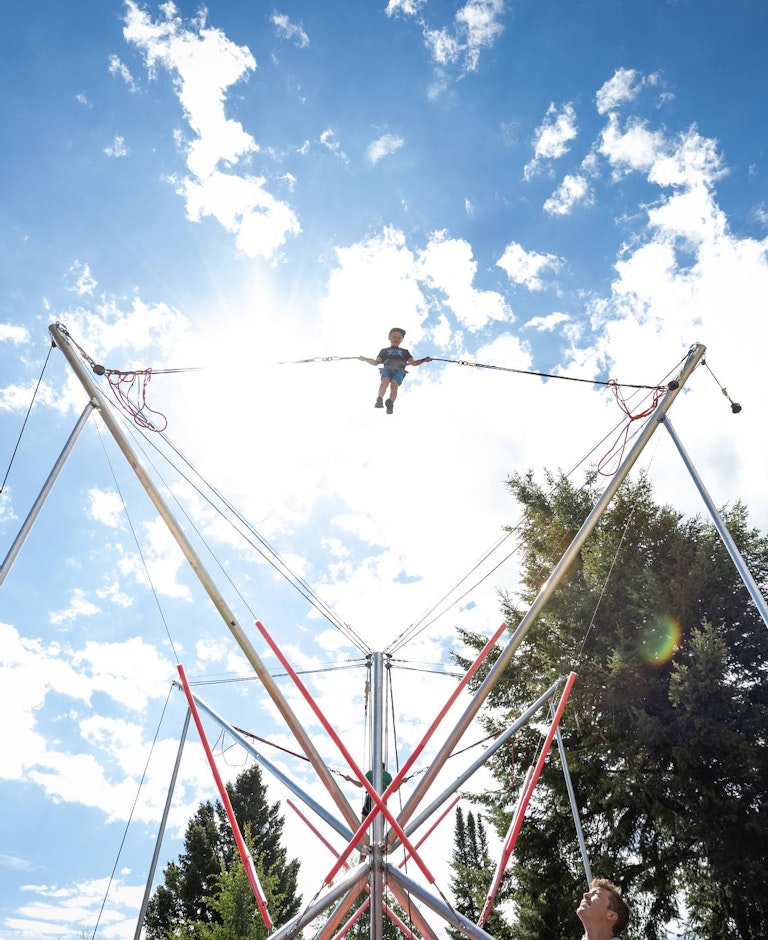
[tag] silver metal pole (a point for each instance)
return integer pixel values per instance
(377, 835)
(294, 926)
(725, 535)
(34, 512)
(62, 342)
(439, 907)
(488, 753)
(695, 354)
(414, 913)
(268, 765)
(161, 831)
(574, 807)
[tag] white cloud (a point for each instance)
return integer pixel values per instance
(624, 86)
(288, 30)
(447, 264)
(526, 267)
(480, 24)
(13, 334)
(760, 213)
(119, 69)
(552, 137)
(159, 564)
(79, 606)
(382, 147)
(572, 191)
(476, 26)
(329, 141)
(406, 7)
(547, 323)
(105, 506)
(204, 64)
(117, 148)
(685, 160)
(84, 282)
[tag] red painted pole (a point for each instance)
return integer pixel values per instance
(313, 828)
(375, 797)
(242, 848)
(528, 788)
(432, 828)
(443, 711)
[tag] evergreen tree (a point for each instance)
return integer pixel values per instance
(473, 873)
(666, 729)
(192, 884)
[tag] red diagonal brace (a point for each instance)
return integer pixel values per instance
(527, 793)
(242, 848)
(378, 802)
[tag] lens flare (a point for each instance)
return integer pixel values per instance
(660, 640)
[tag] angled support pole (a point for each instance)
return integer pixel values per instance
(285, 780)
(574, 807)
(61, 339)
(161, 831)
(37, 506)
(489, 752)
(695, 355)
(376, 798)
(242, 848)
(451, 917)
(725, 535)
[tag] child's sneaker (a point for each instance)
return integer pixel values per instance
(390, 406)
(379, 403)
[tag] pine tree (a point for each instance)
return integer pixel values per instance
(191, 887)
(473, 873)
(666, 729)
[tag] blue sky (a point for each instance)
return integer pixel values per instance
(576, 188)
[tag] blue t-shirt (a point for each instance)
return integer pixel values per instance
(394, 358)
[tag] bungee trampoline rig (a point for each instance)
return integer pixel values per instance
(364, 869)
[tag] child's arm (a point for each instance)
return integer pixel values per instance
(418, 362)
(373, 362)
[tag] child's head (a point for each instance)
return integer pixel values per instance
(396, 335)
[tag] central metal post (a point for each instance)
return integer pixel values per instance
(377, 828)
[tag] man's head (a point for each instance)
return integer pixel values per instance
(603, 910)
(396, 335)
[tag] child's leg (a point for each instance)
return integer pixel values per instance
(383, 386)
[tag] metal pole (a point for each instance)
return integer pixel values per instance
(62, 342)
(161, 832)
(574, 807)
(695, 355)
(377, 830)
(498, 743)
(276, 772)
(294, 926)
(226, 802)
(725, 535)
(34, 512)
(439, 907)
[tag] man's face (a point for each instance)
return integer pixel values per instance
(594, 909)
(395, 337)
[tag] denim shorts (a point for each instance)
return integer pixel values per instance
(398, 376)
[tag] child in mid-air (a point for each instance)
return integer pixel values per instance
(393, 359)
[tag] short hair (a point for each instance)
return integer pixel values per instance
(397, 329)
(616, 902)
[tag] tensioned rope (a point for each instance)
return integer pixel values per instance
(26, 418)
(485, 365)
(624, 427)
(256, 541)
(138, 546)
(130, 815)
(272, 557)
